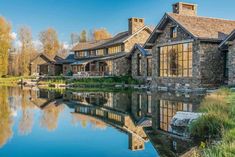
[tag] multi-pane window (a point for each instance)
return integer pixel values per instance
(168, 109)
(139, 65)
(149, 66)
(176, 60)
(115, 49)
(114, 116)
(100, 52)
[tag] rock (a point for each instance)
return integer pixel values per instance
(181, 121)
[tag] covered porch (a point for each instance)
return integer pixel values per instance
(92, 68)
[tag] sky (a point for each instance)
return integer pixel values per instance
(67, 16)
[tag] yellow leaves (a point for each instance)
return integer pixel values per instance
(50, 42)
(100, 34)
(5, 44)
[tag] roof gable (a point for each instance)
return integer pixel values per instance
(120, 38)
(144, 52)
(203, 28)
(230, 37)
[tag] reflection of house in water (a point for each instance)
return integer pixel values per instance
(112, 109)
(44, 97)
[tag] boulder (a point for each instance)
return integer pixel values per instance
(181, 121)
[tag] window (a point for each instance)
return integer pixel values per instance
(174, 32)
(139, 63)
(115, 117)
(176, 60)
(149, 103)
(100, 52)
(168, 109)
(139, 113)
(149, 66)
(226, 65)
(115, 49)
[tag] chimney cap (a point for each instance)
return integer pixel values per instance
(184, 3)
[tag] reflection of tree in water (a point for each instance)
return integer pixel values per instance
(84, 120)
(6, 121)
(50, 116)
(27, 118)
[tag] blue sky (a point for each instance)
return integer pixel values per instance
(68, 16)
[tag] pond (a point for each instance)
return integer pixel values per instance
(38, 122)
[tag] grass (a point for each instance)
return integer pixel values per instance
(217, 126)
(106, 80)
(9, 80)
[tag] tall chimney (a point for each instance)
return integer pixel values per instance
(185, 8)
(135, 24)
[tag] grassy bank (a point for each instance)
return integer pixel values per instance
(105, 81)
(216, 128)
(9, 81)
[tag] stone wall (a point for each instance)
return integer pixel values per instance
(121, 66)
(66, 69)
(231, 65)
(212, 63)
(134, 67)
(39, 61)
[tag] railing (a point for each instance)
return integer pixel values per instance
(87, 74)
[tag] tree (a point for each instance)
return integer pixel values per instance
(100, 34)
(5, 117)
(83, 36)
(50, 41)
(74, 38)
(26, 49)
(5, 45)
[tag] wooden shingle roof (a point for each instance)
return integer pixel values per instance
(117, 39)
(88, 45)
(205, 27)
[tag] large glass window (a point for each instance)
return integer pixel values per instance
(176, 60)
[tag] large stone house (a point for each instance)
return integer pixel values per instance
(185, 49)
(141, 63)
(43, 64)
(110, 57)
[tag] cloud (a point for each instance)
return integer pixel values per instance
(13, 35)
(66, 45)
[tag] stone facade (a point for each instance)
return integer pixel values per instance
(51, 68)
(207, 61)
(144, 67)
(121, 66)
(66, 69)
(231, 65)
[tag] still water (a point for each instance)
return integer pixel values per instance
(45, 123)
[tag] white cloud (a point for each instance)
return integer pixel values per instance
(66, 45)
(13, 35)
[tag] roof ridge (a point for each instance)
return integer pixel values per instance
(205, 17)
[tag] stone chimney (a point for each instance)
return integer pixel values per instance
(185, 8)
(135, 24)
